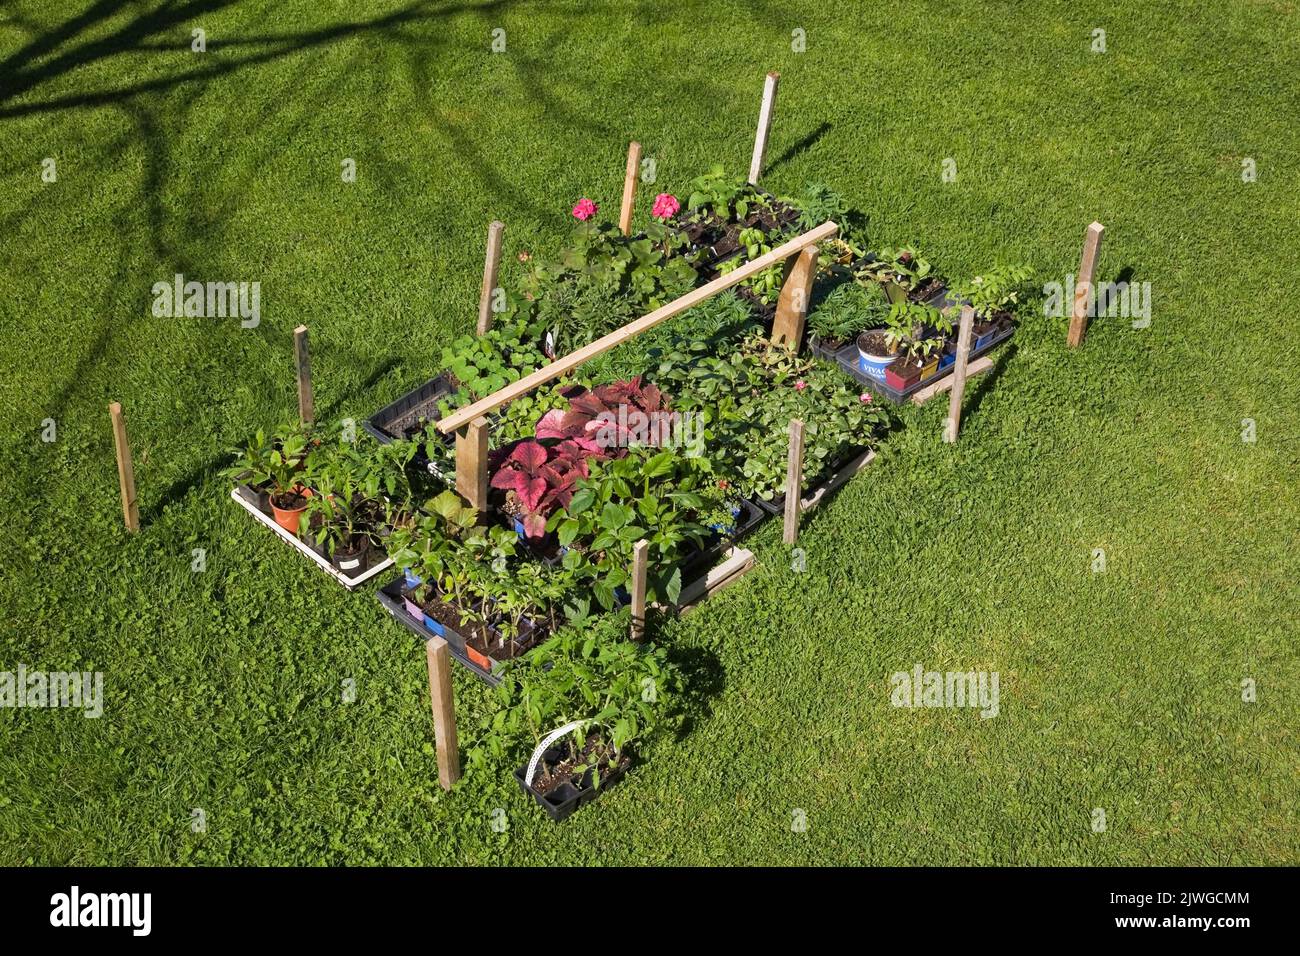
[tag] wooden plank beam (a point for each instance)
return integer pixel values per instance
(764, 126)
(125, 469)
(796, 293)
(444, 711)
(977, 367)
(737, 563)
(953, 424)
(1083, 284)
(629, 188)
(491, 264)
(562, 366)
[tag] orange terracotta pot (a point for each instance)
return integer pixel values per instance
(288, 518)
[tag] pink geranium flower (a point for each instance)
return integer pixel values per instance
(584, 210)
(800, 385)
(666, 206)
(865, 398)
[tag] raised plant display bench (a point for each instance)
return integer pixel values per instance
(573, 490)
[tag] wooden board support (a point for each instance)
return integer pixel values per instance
(125, 469)
(1083, 284)
(640, 556)
(764, 126)
(444, 711)
(302, 358)
(491, 264)
(472, 464)
(793, 483)
(629, 188)
(837, 479)
(736, 565)
(953, 423)
(562, 366)
(796, 293)
(977, 367)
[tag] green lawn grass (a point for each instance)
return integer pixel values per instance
(1119, 691)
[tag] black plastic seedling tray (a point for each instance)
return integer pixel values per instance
(402, 418)
(709, 261)
(561, 802)
(847, 359)
(390, 596)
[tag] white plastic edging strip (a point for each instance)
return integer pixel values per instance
(549, 739)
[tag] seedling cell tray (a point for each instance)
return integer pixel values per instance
(561, 802)
(250, 501)
(847, 359)
(401, 419)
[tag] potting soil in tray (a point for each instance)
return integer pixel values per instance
(718, 239)
(562, 799)
(390, 596)
(847, 359)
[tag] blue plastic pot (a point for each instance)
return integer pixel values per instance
(873, 365)
(412, 581)
(434, 626)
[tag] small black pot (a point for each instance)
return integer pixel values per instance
(352, 563)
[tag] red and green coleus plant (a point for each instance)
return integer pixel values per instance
(542, 478)
(608, 419)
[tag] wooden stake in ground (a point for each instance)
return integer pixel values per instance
(953, 422)
(796, 292)
(764, 126)
(1083, 284)
(301, 357)
(125, 470)
(472, 463)
(490, 266)
(444, 711)
(629, 188)
(793, 483)
(640, 555)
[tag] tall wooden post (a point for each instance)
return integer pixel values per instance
(640, 555)
(490, 266)
(125, 470)
(302, 358)
(1083, 287)
(793, 483)
(629, 188)
(796, 292)
(764, 126)
(444, 711)
(953, 422)
(472, 463)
